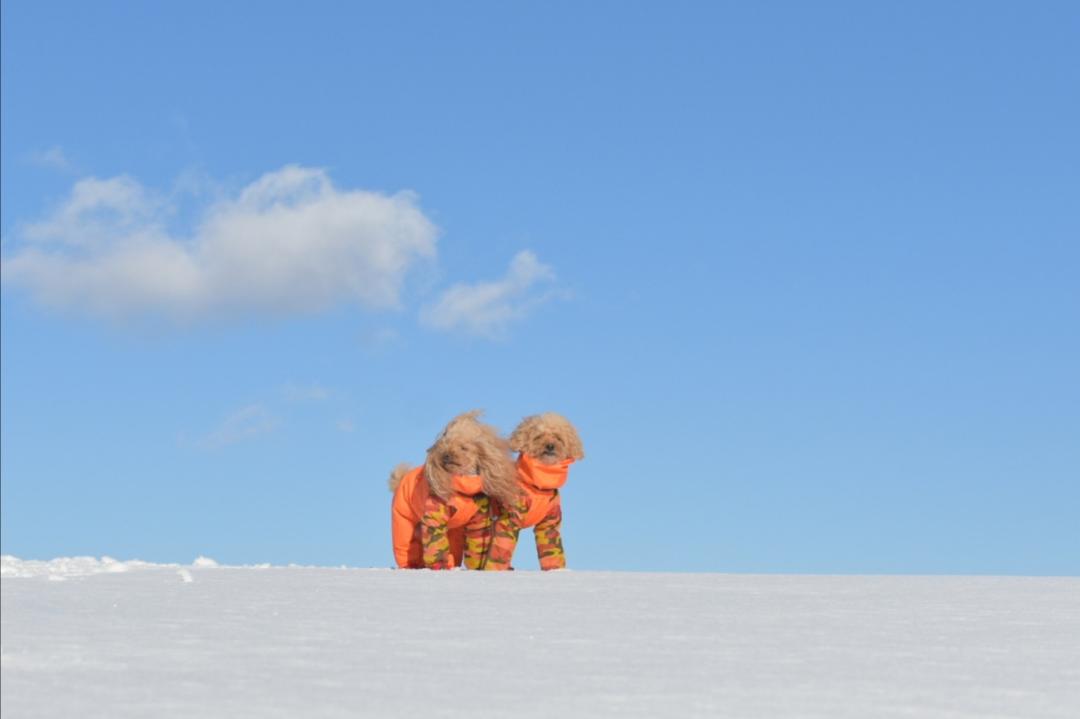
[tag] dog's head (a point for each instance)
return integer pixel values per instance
(548, 438)
(468, 446)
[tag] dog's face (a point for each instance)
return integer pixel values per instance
(468, 447)
(454, 455)
(548, 438)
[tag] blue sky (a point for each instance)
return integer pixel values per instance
(804, 275)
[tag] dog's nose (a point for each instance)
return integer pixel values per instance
(549, 447)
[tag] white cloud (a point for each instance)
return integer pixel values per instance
(288, 243)
(245, 423)
(487, 308)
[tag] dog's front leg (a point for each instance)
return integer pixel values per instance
(434, 535)
(549, 549)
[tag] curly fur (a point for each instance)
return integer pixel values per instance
(397, 475)
(548, 438)
(467, 446)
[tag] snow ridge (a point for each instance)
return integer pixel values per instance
(64, 567)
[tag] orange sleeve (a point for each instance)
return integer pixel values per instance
(402, 531)
(548, 533)
(402, 528)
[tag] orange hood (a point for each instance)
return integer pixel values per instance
(537, 475)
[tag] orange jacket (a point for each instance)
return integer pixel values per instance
(408, 507)
(539, 508)
(541, 483)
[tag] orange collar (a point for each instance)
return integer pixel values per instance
(542, 476)
(467, 484)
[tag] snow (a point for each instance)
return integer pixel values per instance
(102, 638)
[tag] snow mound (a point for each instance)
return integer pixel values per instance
(62, 568)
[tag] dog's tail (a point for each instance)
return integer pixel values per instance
(396, 476)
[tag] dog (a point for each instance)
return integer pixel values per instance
(547, 445)
(441, 514)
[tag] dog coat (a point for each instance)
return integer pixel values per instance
(539, 507)
(428, 531)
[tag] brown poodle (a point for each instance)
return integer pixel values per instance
(548, 438)
(548, 444)
(441, 513)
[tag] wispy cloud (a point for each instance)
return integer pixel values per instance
(246, 423)
(486, 309)
(288, 243)
(97, 214)
(53, 159)
(305, 393)
(379, 340)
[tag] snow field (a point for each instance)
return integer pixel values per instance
(210, 641)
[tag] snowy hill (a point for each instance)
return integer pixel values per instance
(101, 638)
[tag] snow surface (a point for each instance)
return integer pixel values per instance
(132, 639)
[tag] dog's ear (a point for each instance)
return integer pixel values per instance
(519, 438)
(497, 469)
(439, 480)
(573, 441)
